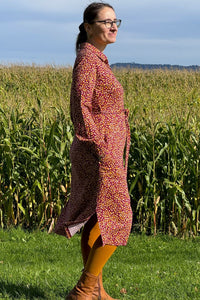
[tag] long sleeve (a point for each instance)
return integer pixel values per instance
(83, 86)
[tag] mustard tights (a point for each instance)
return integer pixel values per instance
(95, 255)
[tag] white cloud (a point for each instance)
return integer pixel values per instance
(45, 30)
(67, 7)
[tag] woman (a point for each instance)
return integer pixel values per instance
(99, 195)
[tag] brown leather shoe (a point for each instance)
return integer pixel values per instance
(84, 288)
(99, 293)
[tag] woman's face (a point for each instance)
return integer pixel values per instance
(98, 34)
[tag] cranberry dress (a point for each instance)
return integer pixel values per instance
(99, 152)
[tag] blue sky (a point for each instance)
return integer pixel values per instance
(152, 31)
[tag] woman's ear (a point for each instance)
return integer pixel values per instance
(87, 27)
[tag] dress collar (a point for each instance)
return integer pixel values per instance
(96, 51)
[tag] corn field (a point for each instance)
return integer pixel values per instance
(36, 133)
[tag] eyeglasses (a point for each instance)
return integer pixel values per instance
(109, 23)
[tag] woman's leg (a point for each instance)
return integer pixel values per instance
(98, 257)
(90, 234)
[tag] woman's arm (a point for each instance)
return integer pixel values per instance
(83, 85)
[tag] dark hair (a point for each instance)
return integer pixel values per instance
(89, 15)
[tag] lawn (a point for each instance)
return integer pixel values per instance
(37, 265)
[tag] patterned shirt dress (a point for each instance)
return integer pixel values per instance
(99, 151)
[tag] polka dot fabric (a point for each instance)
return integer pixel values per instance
(99, 164)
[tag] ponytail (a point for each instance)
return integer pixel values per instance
(82, 37)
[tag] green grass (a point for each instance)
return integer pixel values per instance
(38, 265)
